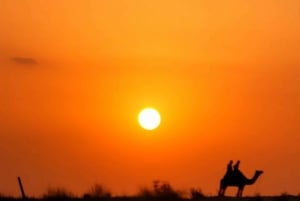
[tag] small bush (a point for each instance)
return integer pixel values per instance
(196, 194)
(6, 197)
(161, 190)
(97, 191)
(283, 197)
(257, 197)
(145, 192)
(58, 193)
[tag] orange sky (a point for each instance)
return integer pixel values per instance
(74, 74)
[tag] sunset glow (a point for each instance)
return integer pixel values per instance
(74, 76)
(149, 118)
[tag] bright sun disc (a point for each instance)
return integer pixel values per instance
(149, 118)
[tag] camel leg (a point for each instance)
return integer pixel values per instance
(222, 191)
(240, 191)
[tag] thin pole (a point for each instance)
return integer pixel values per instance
(21, 188)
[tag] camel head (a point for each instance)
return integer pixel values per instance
(259, 172)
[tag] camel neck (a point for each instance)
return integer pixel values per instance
(253, 179)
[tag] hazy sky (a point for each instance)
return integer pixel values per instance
(74, 75)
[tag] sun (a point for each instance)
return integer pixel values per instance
(149, 118)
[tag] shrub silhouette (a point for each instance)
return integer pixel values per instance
(161, 190)
(145, 192)
(58, 193)
(257, 197)
(196, 194)
(6, 197)
(284, 197)
(97, 191)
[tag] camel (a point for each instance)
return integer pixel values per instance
(236, 178)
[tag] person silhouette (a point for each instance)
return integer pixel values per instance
(236, 166)
(236, 173)
(229, 166)
(229, 170)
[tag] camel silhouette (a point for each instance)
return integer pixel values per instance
(236, 178)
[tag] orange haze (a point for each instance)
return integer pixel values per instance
(74, 75)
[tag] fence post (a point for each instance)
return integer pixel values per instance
(21, 188)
